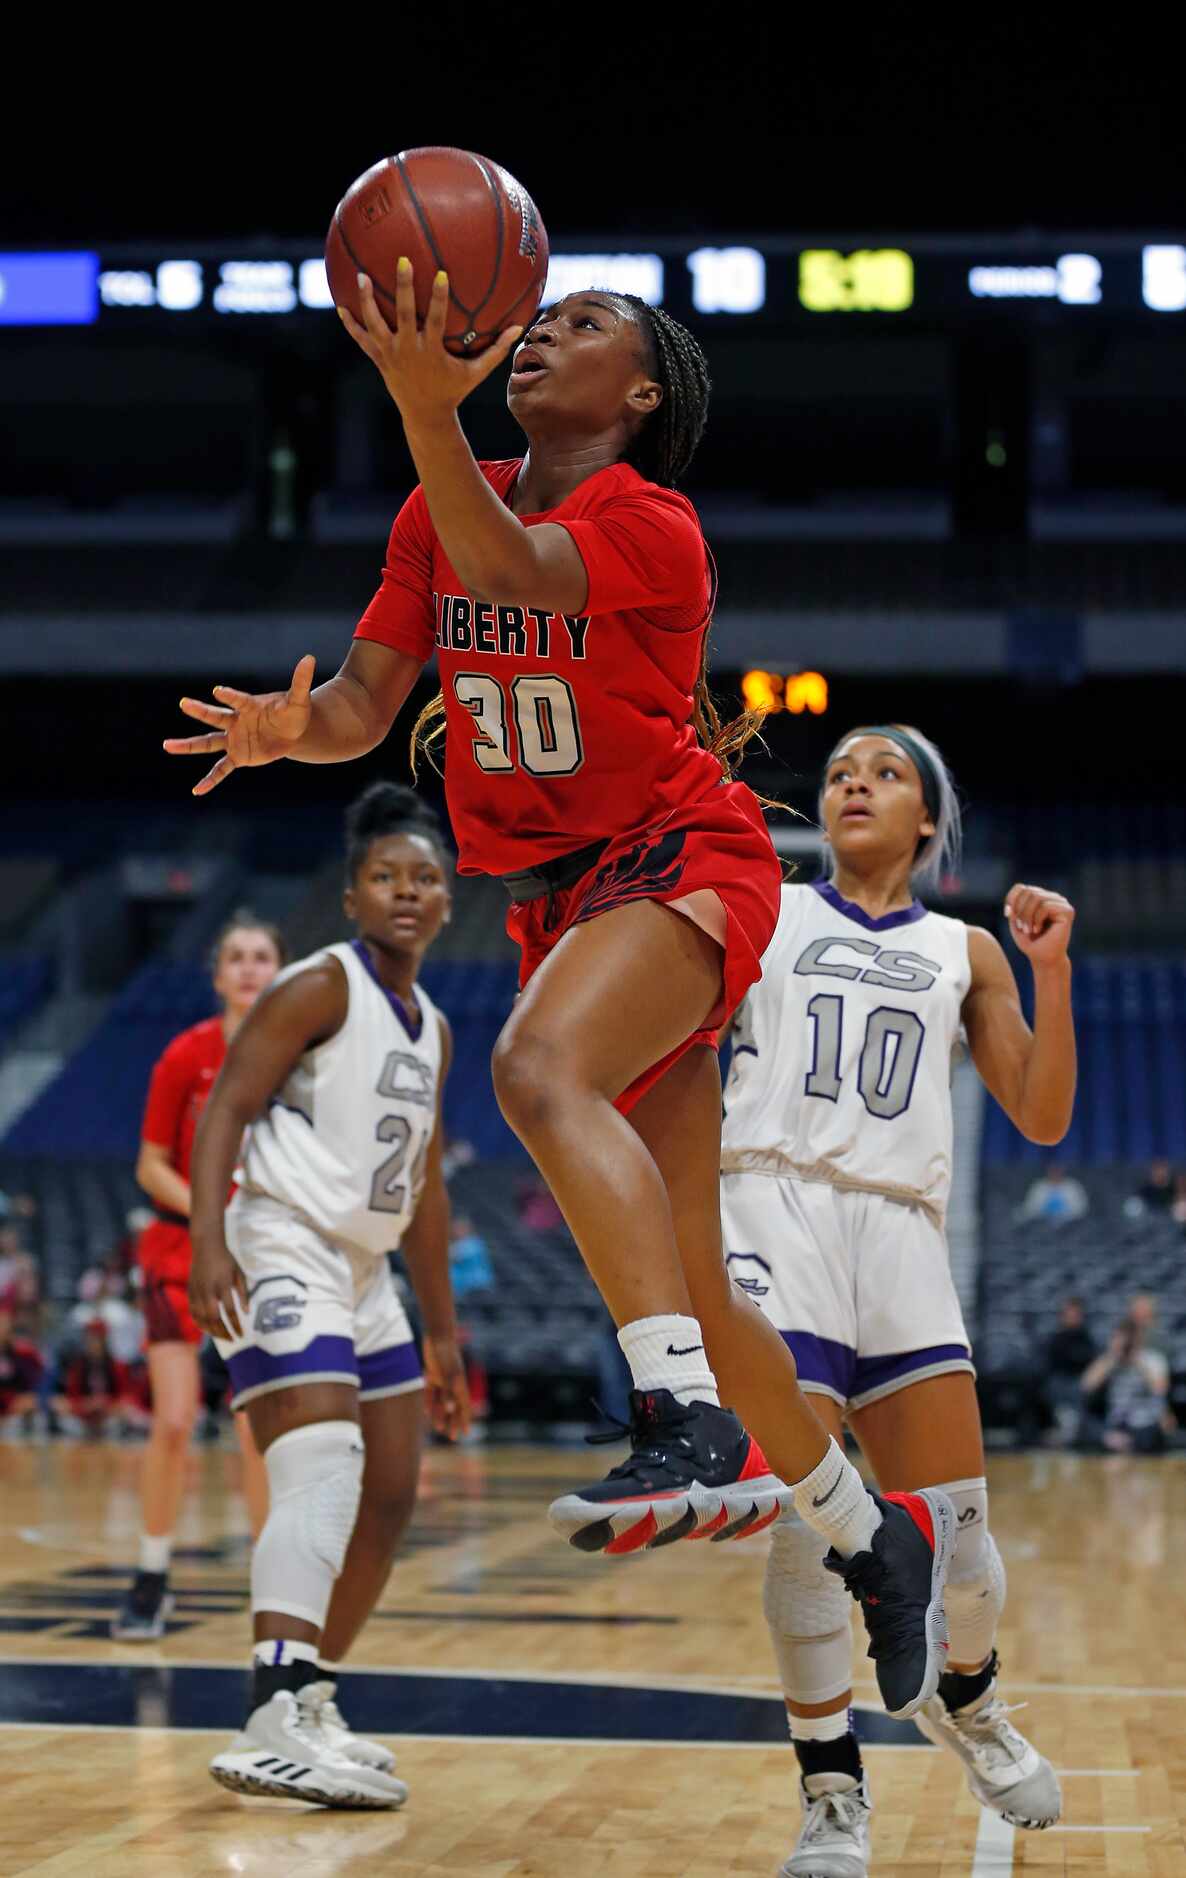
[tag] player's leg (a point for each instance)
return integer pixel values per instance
(295, 1371)
(173, 1375)
(391, 1408)
(559, 1067)
(929, 1433)
(680, 1121)
(255, 1475)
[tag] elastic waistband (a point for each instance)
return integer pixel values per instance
(553, 876)
(165, 1218)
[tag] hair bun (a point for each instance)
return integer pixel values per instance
(381, 808)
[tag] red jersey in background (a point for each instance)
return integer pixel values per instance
(181, 1082)
(562, 729)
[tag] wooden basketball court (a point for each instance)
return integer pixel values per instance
(561, 1717)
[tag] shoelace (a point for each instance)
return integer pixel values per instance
(303, 1723)
(992, 1734)
(847, 1809)
(646, 1446)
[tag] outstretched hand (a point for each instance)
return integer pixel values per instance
(425, 380)
(1040, 922)
(247, 730)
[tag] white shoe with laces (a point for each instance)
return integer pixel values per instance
(320, 1697)
(1005, 1772)
(834, 1842)
(283, 1752)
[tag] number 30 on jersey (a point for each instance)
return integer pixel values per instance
(530, 724)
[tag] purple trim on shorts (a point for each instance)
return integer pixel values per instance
(387, 1369)
(873, 1372)
(822, 1360)
(251, 1368)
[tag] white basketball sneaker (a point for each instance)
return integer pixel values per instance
(834, 1842)
(1005, 1772)
(283, 1752)
(319, 1698)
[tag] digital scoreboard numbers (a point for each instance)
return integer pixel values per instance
(871, 280)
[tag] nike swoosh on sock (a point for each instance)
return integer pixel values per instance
(690, 1351)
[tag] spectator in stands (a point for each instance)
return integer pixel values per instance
(1137, 1381)
(1178, 1209)
(1142, 1315)
(469, 1258)
(1056, 1197)
(1068, 1353)
(1156, 1192)
(21, 1369)
(457, 1153)
(91, 1390)
(537, 1209)
(103, 1295)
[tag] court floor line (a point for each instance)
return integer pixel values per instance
(513, 1741)
(993, 1856)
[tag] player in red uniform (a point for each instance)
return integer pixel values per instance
(568, 596)
(247, 955)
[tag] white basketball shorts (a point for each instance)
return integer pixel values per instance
(316, 1312)
(858, 1284)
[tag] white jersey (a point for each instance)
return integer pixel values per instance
(344, 1140)
(842, 1053)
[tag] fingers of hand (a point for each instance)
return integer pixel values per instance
(207, 713)
(438, 306)
(235, 700)
(196, 746)
(376, 326)
(302, 679)
(213, 777)
(497, 354)
(405, 298)
(358, 333)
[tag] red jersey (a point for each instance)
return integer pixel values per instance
(181, 1082)
(562, 729)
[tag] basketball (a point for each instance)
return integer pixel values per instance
(443, 208)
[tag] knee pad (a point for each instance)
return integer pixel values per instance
(315, 1483)
(975, 1594)
(809, 1613)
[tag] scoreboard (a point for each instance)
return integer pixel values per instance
(780, 281)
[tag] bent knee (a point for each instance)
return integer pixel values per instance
(173, 1429)
(526, 1070)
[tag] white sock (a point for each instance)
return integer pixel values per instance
(836, 1503)
(668, 1353)
(821, 1727)
(155, 1551)
(277, 1651)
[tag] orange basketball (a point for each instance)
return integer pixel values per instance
(448, 209)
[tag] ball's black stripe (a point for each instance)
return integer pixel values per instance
(500, 206)
(345, 240)
(429, 237)
(505, 318)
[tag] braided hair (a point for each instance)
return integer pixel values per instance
(386, 808)
(661, 450)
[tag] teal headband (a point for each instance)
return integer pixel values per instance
(927, 773)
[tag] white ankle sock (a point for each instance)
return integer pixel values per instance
(836, 1503)
(668, 1353)
(277, 1651)
(821, 1727)
(155, 1551)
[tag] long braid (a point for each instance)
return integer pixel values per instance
(660, 450)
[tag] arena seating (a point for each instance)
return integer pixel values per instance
(25, 983)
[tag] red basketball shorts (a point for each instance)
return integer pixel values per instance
(719, 843)
(167, 1317)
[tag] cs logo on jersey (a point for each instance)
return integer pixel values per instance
(749, 1273)
(406, 1078)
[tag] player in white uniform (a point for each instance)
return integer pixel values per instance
(836, 1169)
(338, 1075)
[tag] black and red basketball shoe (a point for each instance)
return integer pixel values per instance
(693, 1473)
(899, 1584)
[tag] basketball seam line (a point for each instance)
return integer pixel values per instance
(496, 192)
(429, 237)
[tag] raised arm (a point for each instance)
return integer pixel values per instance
(425, 1247)
(281, 1026)
(1031, 1073)
(334, 723)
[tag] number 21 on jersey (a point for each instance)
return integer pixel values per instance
(531, 724)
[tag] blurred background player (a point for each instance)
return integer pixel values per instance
(836, 1172)
(568, 595)
(340, 1073)
(247, 955)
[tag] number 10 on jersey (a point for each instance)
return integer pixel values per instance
(534, 716)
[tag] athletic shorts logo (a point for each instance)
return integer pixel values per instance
(274, 1314)
(749, 1273)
